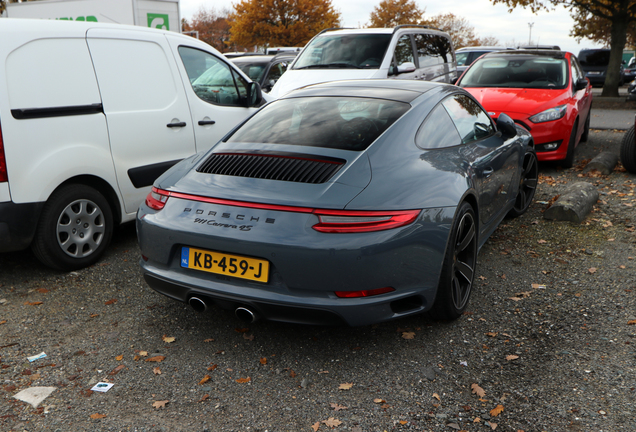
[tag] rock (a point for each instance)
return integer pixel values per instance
(604, 163)
(574, 204)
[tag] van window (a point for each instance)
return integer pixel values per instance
(404, 50)
(213, 80)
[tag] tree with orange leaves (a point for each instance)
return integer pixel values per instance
(391, 13)
(280, 22)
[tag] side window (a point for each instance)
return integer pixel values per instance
(445, 49)
(471, 121)
(427, 52)
(438, 131)
(275, 72)
(577, 73)
(213, 80)
(404, 50)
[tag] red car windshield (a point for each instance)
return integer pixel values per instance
(517, 72)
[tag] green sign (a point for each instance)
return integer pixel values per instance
(160, 21)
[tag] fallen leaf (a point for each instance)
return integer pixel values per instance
(512, 357)
(592, 270)
(492, 334)
(204, 397)
(110, 302)
(403, 422)
(116, 370)
(436, 396)
(143, 353)
(211, 368)
(332, 422)
(209, 340)
(631, 322)
(478, 390)
(156, 370)
(42, 290)
(94, 315)
(345, 386)
(241, 330)
(408, 335)
(97, 416)
(379, 400)
(204, 379)
(155, 359)
(541, 241)
(493, 426)
(337, 407)
(315, 426)
(243, 380)
(248, 337)
(167, 339)
(160, 404)
(119, 358)
(496, 410)
(136, 358)
(263, 360)
(538, 286)
(3, 322)
(36, 303)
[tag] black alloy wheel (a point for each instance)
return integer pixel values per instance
(527, 185)
(458, 271)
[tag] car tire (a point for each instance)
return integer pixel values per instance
(586, 129)
(528, 182)
(569, 156)
(628, 151)
(74, 229)
(458, 270)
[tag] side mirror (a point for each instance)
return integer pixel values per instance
(254, 95)
(406, 67)
(507, 126)
(580, 84)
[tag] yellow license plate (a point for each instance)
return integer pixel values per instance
(225, 264)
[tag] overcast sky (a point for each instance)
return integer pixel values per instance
(551, 28)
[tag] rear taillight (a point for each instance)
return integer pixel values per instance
(345, 221)
(364, 293)
(157, 198)
(3, 161)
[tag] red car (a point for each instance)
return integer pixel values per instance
(544, 91)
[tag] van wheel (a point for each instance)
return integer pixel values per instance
(74, 229)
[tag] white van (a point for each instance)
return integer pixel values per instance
(405, 52)
(90, 115)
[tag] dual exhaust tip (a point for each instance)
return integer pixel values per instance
(243, 313)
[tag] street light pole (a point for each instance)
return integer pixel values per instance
(530, 35)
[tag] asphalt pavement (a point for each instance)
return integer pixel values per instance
(608, 119)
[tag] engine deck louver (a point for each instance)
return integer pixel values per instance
(292, 168)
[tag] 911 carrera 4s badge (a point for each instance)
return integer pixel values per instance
(225, 264)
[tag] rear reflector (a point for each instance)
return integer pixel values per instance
(331, 221)
(3, 161)
(157, 198)
(364, 293)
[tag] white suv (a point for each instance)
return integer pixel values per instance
(90, 115)
(404, 52)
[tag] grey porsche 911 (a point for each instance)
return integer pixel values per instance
(349, 202)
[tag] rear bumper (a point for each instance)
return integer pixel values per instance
(18, 223)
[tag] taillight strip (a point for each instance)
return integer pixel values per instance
(373, 220)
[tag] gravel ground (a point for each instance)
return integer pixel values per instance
(546, 345)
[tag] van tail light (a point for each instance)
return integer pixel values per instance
(364, 293)
(4, 177)
(157, 198)
(353, 221)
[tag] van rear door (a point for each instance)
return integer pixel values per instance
(149, 122)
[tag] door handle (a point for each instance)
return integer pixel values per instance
(206, 122)
(174, 125)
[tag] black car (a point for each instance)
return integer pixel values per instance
(594, 63)
(265, 69)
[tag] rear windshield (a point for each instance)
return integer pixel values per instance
(516, 72)
(344, 123)
(594, 57)
(350, 51)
